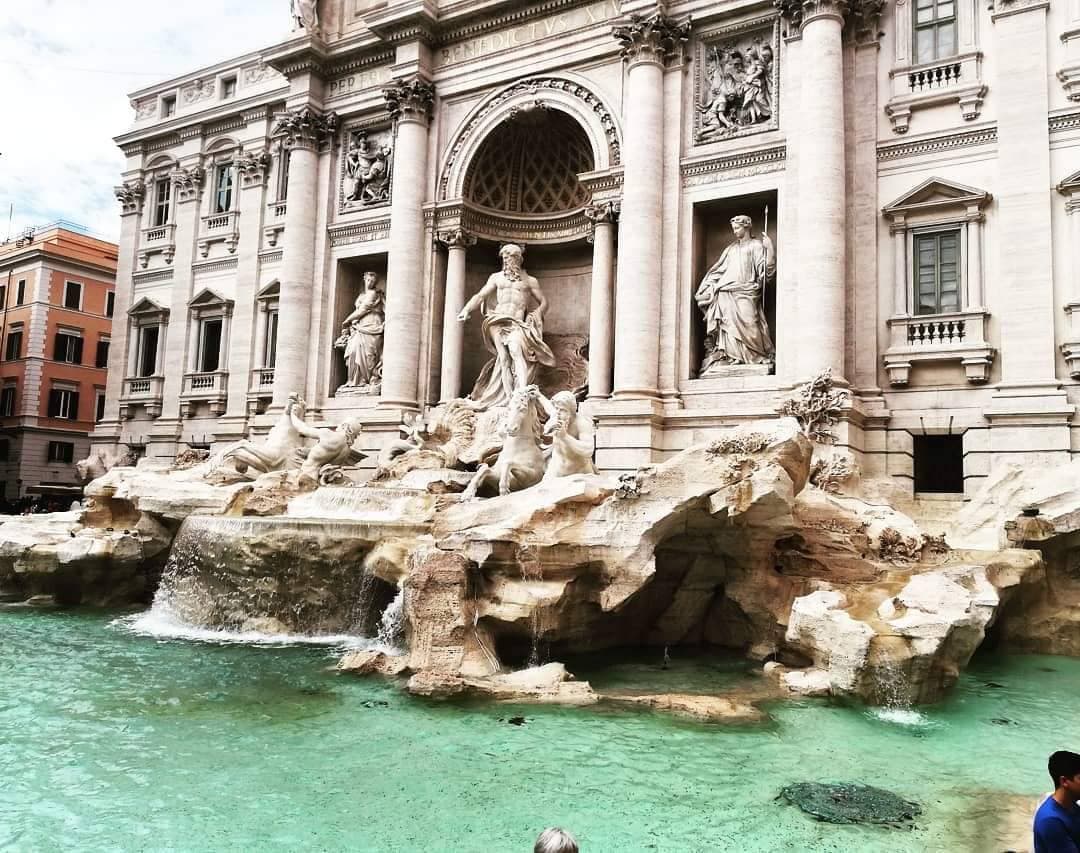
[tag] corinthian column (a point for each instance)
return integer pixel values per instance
(409, 103)
(601, 299)
(648, 43)
(821, 183)
(457, 243)
(301, 130)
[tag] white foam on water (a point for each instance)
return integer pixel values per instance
(163, 626)
(901, 716)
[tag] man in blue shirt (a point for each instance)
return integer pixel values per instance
(1057, 822)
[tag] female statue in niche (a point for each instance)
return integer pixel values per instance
(736, 330)
(362, 340)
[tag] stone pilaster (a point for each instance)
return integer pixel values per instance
(821, 183)
(604, 217)
(253, 169)
(457, 242)
(302, 131)
(187, 192)
(130, 195)
(648, 44)
(409, 103)
(1029, 413)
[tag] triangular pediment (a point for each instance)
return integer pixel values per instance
(270, 291)
(147, 307)
(936, 193)
(1070, 185)
(207, 298)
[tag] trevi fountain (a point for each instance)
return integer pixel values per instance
(495, 544)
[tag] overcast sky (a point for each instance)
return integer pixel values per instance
(66, 68)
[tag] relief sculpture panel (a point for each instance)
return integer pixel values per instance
(366, 169)
(736, 88)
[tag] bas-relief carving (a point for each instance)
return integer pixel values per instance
(737, 83)
(198, 90)
(366, 169)
(362, 341)
(256, 73)
(513, 330)
(144, 109)
(730, 297)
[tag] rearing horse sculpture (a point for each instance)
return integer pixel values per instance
(520, 463)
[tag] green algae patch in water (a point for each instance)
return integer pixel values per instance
(846, 802)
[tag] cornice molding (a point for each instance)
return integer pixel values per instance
(359, 232)
(935, 144)
(701, 169)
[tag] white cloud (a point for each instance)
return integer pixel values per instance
(66, 68)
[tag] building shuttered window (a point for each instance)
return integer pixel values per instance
(937, 272)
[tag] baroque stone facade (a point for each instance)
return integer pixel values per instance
(898, 176)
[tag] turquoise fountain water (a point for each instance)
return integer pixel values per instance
(117, 741)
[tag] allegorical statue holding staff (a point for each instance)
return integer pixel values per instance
(731, 298)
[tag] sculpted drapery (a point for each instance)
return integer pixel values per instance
(730, 297)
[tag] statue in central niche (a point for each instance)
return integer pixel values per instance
(513, 330)
(730, 296)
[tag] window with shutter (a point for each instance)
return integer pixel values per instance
(73, 295)
(937, 272)
(7, 401)
(68, 348)
(101, 358)
(14, 345)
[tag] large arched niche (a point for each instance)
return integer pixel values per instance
(528, 166)
(566, 94)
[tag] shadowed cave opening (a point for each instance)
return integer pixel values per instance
(686, 606)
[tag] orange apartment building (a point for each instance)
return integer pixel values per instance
(56, 306)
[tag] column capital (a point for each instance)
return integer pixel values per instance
(304, 127)
(601, 213)
(410, 100)
(187, 182)
(130, 194)
(457, 238)
(801, 12)
(655, 38)
(254, 167)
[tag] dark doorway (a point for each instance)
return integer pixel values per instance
(939, 464)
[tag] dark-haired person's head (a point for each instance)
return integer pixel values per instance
(1064, 769)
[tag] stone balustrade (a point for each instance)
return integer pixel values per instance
(954, 337)
(143, 391)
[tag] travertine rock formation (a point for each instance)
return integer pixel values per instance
(725, 544)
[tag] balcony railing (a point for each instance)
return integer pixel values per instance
(140, 387)
(205, 385)
(278, 209)
(957, 80)
(160, 238)
(935, 77)
(957, 336)
(145, 391)
(220, 222)
(158, 234)
(219, 227)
